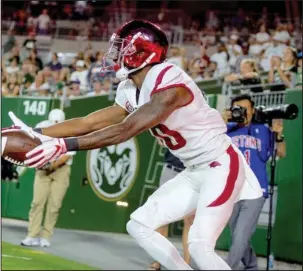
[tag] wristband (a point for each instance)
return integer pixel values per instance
(71, 144)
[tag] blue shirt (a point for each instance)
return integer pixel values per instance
(256, 143)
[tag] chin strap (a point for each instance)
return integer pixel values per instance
(123, 72)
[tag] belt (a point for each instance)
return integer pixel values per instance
(174, 168)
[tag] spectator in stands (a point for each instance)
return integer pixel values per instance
(14, 52)
(255, 48)
(176, 57)
(94, 73)
(32, 21)
(27, 80)
(276, 49)
(100, 87)
(80, 75)
(28, 67)
(79, 10)
(54, 64)
(212, 20)
(10, 42)
(43, 22)
(12, 86)
(39, 87)
(248, 75)
(30, 42)
(211, 71)
(282, 33)
(221, 58)
(262, 37)
(89, 53)
(240, 58)
(284, 71)
(234, 50)
(74, 89)
(21, 21)
(14, 66)
(68, 12)
(47, 74)
(64, 74)
(35, 60)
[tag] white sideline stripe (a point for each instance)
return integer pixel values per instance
(11, 256)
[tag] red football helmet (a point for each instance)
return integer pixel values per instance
(136, 44)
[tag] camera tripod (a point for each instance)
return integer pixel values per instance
(271, 193)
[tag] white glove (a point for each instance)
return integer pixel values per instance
(48, 151)
(20, 125)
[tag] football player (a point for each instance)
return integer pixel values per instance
(158, 96)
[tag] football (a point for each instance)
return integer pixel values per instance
(15, 145)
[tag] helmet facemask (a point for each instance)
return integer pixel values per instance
(129, 55)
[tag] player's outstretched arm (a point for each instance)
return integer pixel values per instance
(84, 125)
(162, 104)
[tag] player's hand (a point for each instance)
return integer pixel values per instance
(277, 126)
(20, 125)
(48, 151)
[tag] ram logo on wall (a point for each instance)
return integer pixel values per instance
(112, 170)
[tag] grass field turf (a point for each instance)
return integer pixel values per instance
(22, 258)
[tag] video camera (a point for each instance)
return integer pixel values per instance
(265, 115)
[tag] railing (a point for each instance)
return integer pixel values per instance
(229, 89)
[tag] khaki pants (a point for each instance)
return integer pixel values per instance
(51, 189)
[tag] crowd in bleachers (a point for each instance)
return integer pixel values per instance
(23, 72)
(244, 51)
(271, 55)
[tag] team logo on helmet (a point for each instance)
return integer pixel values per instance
(112, 170)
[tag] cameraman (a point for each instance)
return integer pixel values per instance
(255, 140)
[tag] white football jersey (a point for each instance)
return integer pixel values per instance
(194, 133)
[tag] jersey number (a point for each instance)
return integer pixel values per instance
(247, 156)
(173, 140)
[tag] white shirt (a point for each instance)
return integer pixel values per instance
(195, 133)
(283, 36)
(32, 21)
(81, 76)
(44, 86)
(232, 56)
(262, 37)
(11, 69)
(222, 62)
(255, 50)
(43, 21)
(269, 53)
(47, 123)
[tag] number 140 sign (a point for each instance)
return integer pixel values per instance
(34, 107)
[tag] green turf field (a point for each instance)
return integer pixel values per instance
(23, 258)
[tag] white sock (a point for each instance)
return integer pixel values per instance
(157, 246)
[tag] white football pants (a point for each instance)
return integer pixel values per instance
(211, 190)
